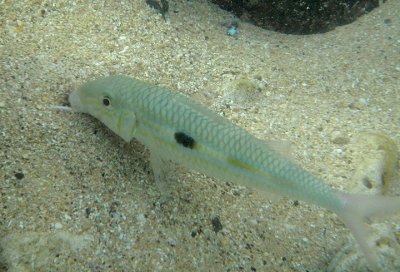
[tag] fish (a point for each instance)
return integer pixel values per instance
(175, 128)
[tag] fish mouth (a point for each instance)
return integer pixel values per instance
(75, 101)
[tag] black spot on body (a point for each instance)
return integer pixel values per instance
(184, 139)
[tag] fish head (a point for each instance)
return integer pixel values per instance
(107, 99)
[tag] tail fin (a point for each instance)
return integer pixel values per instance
(357, 209)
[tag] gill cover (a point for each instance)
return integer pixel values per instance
(125, 125)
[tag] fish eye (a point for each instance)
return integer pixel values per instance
(106, 101)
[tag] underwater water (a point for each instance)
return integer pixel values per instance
(76, 197)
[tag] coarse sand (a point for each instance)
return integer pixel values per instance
(75, 197)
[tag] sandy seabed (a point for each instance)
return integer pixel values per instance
(75, 197)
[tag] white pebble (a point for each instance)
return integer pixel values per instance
(57, 225)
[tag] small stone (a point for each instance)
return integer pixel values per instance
(337, 137)
(67, 217)
(172, 242)
(217, 226)
(243, 91)
(224, 241)
(338, 152)
(387, 21)
(19, 175)
(253, 222)
(141, 218)
(363, 101)
(340, 140)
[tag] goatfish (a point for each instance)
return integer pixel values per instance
(174, 128)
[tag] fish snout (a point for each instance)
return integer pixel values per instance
(75, 101)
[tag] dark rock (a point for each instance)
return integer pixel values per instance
(19, 175)
(217, 226)
(298, 17)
